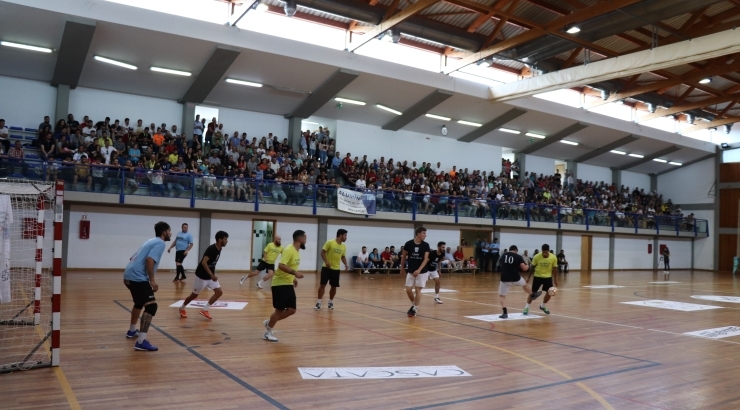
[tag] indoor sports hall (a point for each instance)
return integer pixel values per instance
(382, 204)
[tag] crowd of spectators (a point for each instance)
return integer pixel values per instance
(390, 260)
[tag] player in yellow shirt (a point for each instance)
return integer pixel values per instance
(545, 266)
(333, 252)
(284, 283)
(269, 255)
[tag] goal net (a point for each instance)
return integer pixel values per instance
(29, 284)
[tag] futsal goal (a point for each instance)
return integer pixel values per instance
(31, 221)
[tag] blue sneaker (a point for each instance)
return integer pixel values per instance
(145, 346)
(130, 334)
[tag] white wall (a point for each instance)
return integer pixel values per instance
(572, 248)
(98, 104)
(362, 139)
(704, 248)
(594, 173)
(117, 233)
(27, 102)
(680, 252)
(539, 165)
(688, 185)
(600, 252)
(236, 254)
(634, 180)
(285, 228)
(526, 239)
(449, 234)
(373, 234)
(255, 124)
(631, 253)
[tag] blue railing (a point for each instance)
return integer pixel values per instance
(141, 182)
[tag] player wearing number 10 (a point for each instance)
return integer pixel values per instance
(511, 265)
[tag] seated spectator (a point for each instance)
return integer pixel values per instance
(562, 262)
(363, 260)
(470, 264)
(47, 147)
(16, 155)
(375, 258)
(449, 261)
(395, 257)
(386, 258)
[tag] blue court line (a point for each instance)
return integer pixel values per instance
(215, 366)
(528, 389)
(509, 334)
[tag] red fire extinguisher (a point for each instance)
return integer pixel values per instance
(84, 228)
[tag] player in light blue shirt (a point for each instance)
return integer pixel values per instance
(183, 243)
(139, 279)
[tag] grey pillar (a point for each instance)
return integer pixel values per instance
(65, 233)
(616, 177)
(188, 118)
(294, 133)
(522, 158)
(612, 240)
(323, 236)
(572, 168)
(656, 252)
(62, 108)
(715, 231)
(693, 241)
(653, 182)
(204, 239)
(558, 241)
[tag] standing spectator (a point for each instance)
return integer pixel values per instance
(46, 147)
(363, 260)
(197, 129)
(495, 248)
(4, 137)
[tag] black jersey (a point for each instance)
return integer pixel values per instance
(510, 263)
(213, 254)
(434, 259)
(415, 254)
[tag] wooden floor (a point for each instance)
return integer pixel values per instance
(592, 352)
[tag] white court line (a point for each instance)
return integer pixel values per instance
(609, 323)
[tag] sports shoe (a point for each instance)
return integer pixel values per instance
(205, 314)
(241, 281)
(145, 346)
(535, 295)
(504, 316)
(411, 312)
(183, 277)
(318, 306)
(544, 309)
(267, 325)
(130, 334)
(183, 314)
(269, 337)
(525, 312)
(438, 300)
(259, 285)
(331, 305)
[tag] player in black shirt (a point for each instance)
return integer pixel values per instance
(511, 264)
(434, 265)
(205, 276)
(416, 252)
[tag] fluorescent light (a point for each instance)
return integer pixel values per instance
(705, 81)
(509, 131)
(310, 122)
(438, 117)
(660, 160)
(26, 47)
(533, 135)
(168, 71)
(355, 102)
(618, 152)
(678, 164)
(240, 82)
(637, 156)
(472, 124)
(569, 142)
(573, 30)
(383, 107)
(114, 62)
(262, 7)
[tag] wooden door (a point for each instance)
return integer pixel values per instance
(586, 242)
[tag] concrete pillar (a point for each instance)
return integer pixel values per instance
(188, 118)
(612, 240)
(693, 242)
(572, 168)
(323, 236)
(62, 108)
(617, 177)
(715, 231)
(205, 238)
(294, 133)
(656, 252)
(558, 241)
(522, 158)
(653, 182)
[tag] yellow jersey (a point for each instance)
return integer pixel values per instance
(272, 252)
(334, 253)
(292, 258)
(543, 266)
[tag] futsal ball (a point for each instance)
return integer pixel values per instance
(552, 291)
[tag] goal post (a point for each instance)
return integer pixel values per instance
(31, 223)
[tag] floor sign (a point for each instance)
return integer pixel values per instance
(715, 298)
(664, 282)
(496, 318)
(668, 304)
(441, 290)
(717, 333)
(221, 304)
(404, 372)
(603, 286)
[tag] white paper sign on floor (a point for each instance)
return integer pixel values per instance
(221, 304)
(664, 282)
(717, 333)
(354, 373)
(715, 298)
(496, 318)
(603, 286)
(441, 290)
(668, 304)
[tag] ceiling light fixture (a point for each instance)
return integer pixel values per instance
(26, 47)
(662, 161)
(472, 124)
(240, 82)
(636, 156)
(678, 164)
(438, 117)
(114, 62)
(310, 122)
(569, 142)
(168, 71)
(383, 107)
(705, 80)
(533, 135)
(573, 30)
(345, 100)
(509, 131)
(618, 152)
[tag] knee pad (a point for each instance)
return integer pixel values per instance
(151, 309)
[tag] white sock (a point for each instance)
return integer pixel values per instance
(331, 301)
(183, 306)
(142, 337)
(132, 328)
(318, 300)
(416, 307)
(526, 306)
(205, 308)
(436, 295)
(543, 305)
(260, 282)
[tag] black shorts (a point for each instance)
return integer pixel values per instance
(546, 284)
(265, 266)
(283, 297)
(141, 292)
(179, 256)
(330, 276)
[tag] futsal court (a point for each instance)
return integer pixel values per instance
(595, 350)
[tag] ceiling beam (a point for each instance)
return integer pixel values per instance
(551, 139)
(210, 75)
(325, 93)
(492, 125)
(686, 164)
(555, 25)
(417, 110)
(711, 124)
(606, 148)
(76, 40)
(691, 106)
(391, 22)
(650, 157)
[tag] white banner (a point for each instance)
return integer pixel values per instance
(668, 304)
(404, 372)
(220, 304)
(603, 286)
(664, 282)
(717, 333)
(354, 202)
(715, 298)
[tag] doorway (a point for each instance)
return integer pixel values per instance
(262, 234)
(586, 243)
(470, 236)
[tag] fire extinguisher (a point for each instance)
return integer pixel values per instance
(84, 228)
